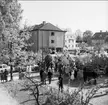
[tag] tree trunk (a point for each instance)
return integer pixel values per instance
(11, 72)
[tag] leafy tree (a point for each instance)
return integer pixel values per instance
(48, 60)
(78, 39)
(83, 46)
(87, 37)
(106, 39)
(98, 47)
(78, 33)
(12, 40)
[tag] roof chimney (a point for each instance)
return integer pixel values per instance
(44, 22)
(100, 31)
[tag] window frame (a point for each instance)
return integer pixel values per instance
(52, 41)
(52, 34)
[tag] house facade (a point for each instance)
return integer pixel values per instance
(46, 36)
(99, 40)
(70, 42)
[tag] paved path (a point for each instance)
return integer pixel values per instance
(5, 98)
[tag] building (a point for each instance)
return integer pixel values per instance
(46, 36)
(70, 42)
(99, 40)
(99, 37)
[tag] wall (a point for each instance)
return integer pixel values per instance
(71, 45)
(97, 41)
(59, 39)
(45, 42)
(38, 43)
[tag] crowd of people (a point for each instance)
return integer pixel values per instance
(59, 68)
(44, 75)
(4, 75)
(70, 69)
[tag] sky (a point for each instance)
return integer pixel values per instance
(74, 15)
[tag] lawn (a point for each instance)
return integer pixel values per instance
(24, 97)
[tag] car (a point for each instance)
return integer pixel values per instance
(3, 67)
(35, 68)
(17, 69)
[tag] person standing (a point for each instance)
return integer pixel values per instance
(2, 76)
(56, 65)
(60, 83)
(5, 75)
(51, 64)
(41, 74)
(72, 75)
(60, 67)
(75, 72)
(50, 75)
(44, 76)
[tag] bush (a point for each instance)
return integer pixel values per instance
(76, 97)
(92, 61)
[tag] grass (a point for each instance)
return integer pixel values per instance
(15, 88)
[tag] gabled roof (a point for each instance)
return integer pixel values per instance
(100, 35)
(46, 27)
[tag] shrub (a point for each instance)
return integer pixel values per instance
(76, 97)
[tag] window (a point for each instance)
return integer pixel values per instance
(72, 40)
(77, 45)
(52, 33)
(52, 41)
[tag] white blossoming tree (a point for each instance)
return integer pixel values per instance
(13, 41)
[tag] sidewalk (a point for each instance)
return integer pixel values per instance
(5, 98)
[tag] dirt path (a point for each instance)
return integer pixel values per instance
(5, 98)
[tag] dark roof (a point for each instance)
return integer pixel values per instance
(100, 35)
(35, 27)
(46, 27)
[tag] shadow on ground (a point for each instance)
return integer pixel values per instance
(79, 81)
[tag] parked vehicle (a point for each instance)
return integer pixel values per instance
(17, 69)
(3, 67)
(35, 68)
